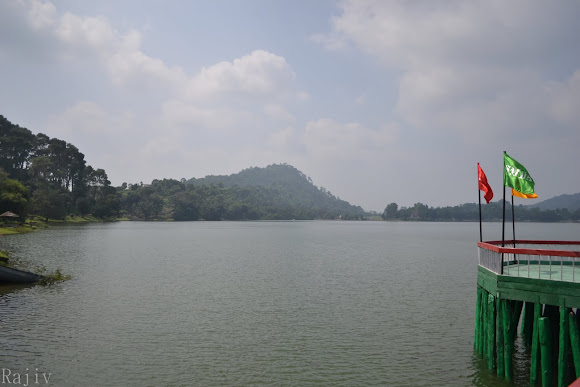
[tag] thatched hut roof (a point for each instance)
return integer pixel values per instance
(9, 215)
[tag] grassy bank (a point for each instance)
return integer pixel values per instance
(81, 219)
(34, 222)
(15, 230)
(35, 219)
(48, 277)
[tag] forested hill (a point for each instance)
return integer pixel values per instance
(49, 177)
(275, 174)
(282, 187)
(277, 192)
(570, 202)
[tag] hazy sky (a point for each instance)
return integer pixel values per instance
(377, 101)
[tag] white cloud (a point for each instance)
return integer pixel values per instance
(133, 67)
(332, 42)
(302, 96)
(259, 74)
(278, 113)
(468, 65)
(91, 31)
(105, 138)
(161, 148)
(565, 100)
(41, 14)
(466, 33)
(285, 140)
(217, 96)
(84, 40)
(331, 140)
(119, 53)
(189, 116)
(86, 118)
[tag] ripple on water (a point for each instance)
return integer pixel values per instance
(271, 303)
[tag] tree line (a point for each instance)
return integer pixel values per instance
(49, 177)
(179, 200)
(469, 213)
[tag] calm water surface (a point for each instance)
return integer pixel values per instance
(252, 303)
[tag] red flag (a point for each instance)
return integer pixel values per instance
(484, 185)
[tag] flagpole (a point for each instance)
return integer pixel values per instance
(513, 221)
(479, 197)
(503, 218)
(514, 226)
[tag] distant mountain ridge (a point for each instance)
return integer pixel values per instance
(271, 175)
(283, 185)
(568, 201)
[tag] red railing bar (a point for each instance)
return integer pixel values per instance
(534, 242)
(511, 250)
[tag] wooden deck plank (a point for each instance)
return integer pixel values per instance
(551, 292)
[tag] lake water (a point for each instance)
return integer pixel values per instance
(323, 303)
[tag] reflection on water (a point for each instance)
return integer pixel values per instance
(5, 289)
(234, 303)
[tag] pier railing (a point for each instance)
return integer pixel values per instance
(553, 260)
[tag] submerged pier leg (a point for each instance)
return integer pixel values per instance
(477, 333)
(490, 331)
(500, 336)
(527, 330)
(534, 366)
(511, 316)
(563, 347)
(546, 351)
(483, 324)
(574, 341)
(482, 304)
(517, 312)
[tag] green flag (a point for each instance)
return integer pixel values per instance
(518, 178)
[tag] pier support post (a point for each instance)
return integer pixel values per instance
(482, 304)
(477, 333)
(527, 330)
(534, 366)
(546, 351)
(574, 341)
(563, 347)
(511, 316)
(500, 336)
(483, 334)
(490, 331)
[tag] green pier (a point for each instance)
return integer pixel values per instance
(534, 285)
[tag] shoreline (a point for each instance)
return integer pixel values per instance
(36, 223)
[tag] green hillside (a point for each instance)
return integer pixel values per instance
(282, 187)
(49, 177)
(275, 174)
(569, 202)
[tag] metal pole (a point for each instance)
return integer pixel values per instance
(513, 222)
(480, 232)
(503, 217)
(514, 227)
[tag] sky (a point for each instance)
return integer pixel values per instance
(377, 101)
